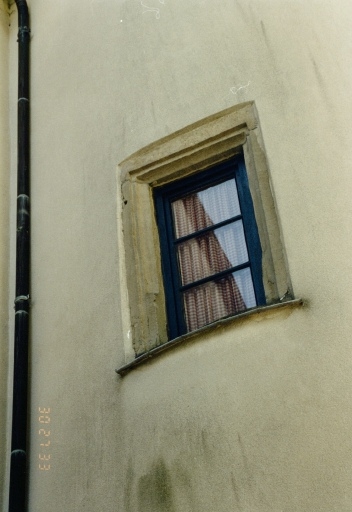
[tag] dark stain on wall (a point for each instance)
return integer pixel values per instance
(271, 49)
(242, 12)
(236, 492)
(183, 483)
(262, 26)
(321, 83)
(246, 466)
(155, 490)
(127, 498)
(317, 73)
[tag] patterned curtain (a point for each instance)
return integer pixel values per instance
(204, 255)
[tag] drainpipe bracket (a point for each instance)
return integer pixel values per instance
(21, 298)
(22, 32)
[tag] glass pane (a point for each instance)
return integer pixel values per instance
(206, 208)
(212, 252)
(217, 299)
(245, 284)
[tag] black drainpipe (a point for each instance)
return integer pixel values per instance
(18, 471)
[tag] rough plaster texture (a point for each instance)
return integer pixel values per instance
(255, 418)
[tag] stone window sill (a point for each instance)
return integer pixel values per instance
(143, 358)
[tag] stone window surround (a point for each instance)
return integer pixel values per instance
(186, 152)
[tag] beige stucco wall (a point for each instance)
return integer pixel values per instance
(253, 417)
(4, 245)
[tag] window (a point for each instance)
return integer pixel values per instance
(210, 247)
(199, 229)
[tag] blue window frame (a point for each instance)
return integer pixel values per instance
(210, 248)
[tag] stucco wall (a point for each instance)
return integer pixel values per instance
(255, 417)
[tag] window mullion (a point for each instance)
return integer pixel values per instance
(214, 277)
(213, 227)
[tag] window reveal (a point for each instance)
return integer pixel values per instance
(169, 170)
(211, 254)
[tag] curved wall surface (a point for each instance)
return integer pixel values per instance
(254, 415)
